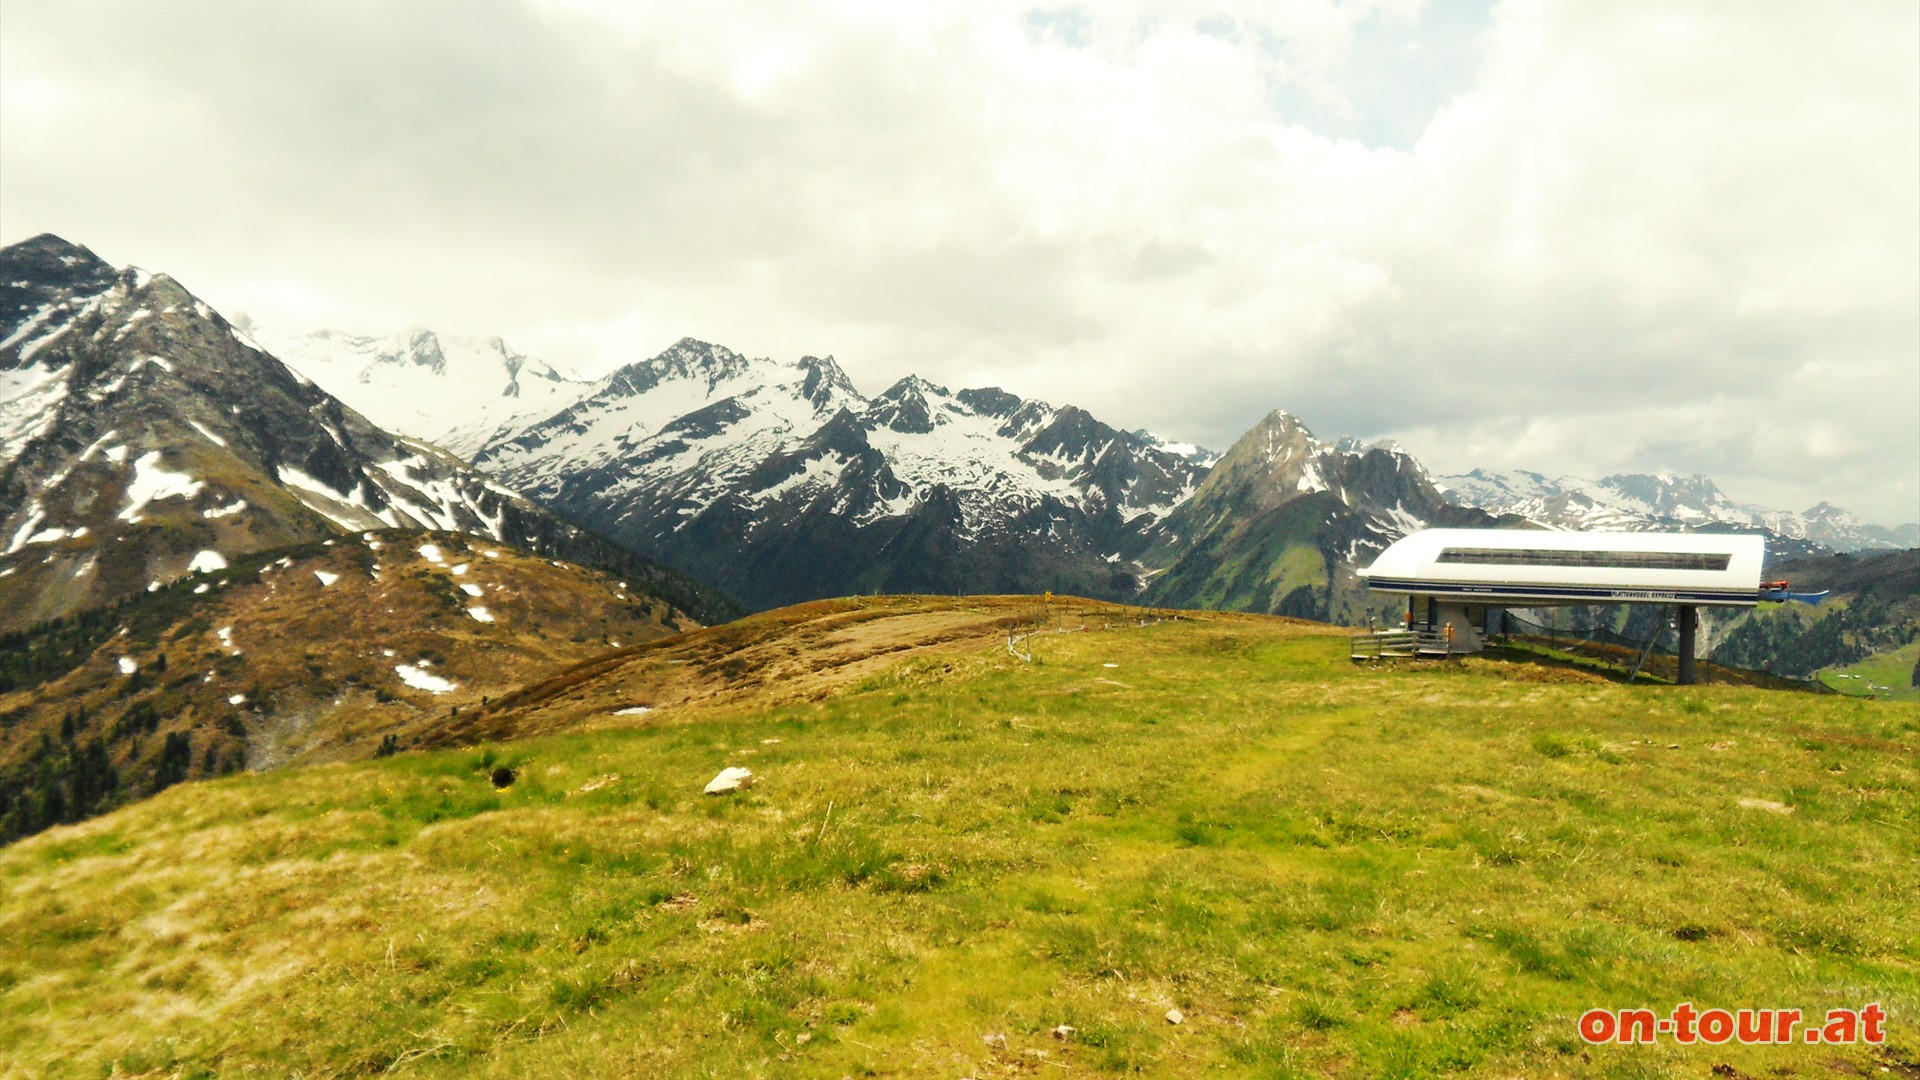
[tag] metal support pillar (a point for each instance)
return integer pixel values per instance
(1689, 629)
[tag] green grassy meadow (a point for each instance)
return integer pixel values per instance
(1893, 669)
(1329, 870)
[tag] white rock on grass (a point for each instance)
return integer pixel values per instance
(730, 780)
(1175, 1016)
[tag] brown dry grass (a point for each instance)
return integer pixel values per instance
(807, 652)
(315, 664)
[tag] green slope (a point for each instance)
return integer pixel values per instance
(1868, 626)
(1893, 675)
(1329, 870)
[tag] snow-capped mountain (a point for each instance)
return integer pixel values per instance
(143, 437)
(1640, 501)
(451, 390)
(782, 482)
(1284, 518)
(1194, 454)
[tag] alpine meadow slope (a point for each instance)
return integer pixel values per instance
(958, 863)
(332, 651)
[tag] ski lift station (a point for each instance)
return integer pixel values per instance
(1458, 582)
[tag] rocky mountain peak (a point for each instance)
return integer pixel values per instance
(1831, 515)
(1666, 492)
(990, 401)
(54, 260)
(909, 406)
(825, 384)
(1279, 450)
(41, 280)
(689, 358)
(421, 348)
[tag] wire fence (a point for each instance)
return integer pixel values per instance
(1068, 615)
(1664, 639)
(1636, 654)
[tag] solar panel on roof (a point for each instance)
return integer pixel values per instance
(1612, 560)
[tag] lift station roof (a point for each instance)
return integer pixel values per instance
(1538, 568)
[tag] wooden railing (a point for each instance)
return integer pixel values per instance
(1374, 644)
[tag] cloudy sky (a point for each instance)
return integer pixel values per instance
(1571, 237)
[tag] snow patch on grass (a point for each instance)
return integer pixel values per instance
(420, 679)
(151, 483)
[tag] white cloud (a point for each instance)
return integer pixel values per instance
(1582, 237)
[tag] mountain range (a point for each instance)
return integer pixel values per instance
(144, 437)
(786, 483)
(777, 481)
(1640, 501)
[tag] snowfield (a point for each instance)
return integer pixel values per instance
(451, 390)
